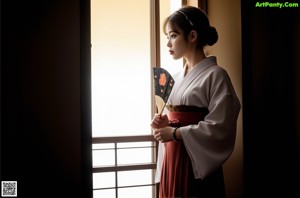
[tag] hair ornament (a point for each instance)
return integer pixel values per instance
(187, 18)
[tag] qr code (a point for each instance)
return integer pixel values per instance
(9, 189)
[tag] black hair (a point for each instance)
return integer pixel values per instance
(190, 18)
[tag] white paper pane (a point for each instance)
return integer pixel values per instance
(104, 180)
(132, 178)
(134, 144)
(121, 68)
(167, 62)
(103, 157)
(136, 192)
(108, 193)
(103, 146)
(134, 156)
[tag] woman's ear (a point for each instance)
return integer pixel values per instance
(193, 36)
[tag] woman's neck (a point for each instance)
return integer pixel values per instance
(192, 60)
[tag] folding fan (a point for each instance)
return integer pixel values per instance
(163, 85)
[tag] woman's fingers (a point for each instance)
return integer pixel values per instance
(156, 121)
(157, 134)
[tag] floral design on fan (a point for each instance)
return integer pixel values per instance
(162, 79)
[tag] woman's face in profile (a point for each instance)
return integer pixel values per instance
(176, 42)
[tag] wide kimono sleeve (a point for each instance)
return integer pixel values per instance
(210, 142)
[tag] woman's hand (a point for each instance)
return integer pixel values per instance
(163, 134)
(159, 121)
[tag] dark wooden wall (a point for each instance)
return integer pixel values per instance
(271, 93)
(45, 112)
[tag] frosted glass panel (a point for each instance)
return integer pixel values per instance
(121, 70)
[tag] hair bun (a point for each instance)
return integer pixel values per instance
(212, 36)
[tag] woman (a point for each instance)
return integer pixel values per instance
(198, 134)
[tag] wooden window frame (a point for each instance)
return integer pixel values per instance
(86, 96)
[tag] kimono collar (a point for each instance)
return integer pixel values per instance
(206, 62)
(182, 82)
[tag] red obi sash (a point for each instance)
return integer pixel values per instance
(185, 115)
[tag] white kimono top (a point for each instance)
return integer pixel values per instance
(210, 142)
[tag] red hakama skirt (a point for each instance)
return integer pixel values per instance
(177, 179)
